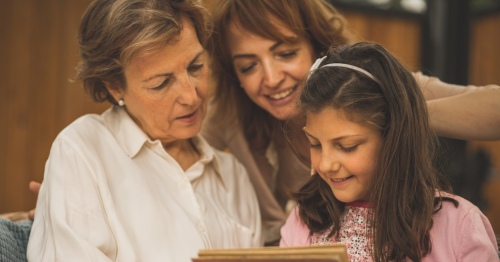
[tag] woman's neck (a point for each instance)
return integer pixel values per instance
(184, 152)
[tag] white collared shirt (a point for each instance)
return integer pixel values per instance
(112, 194)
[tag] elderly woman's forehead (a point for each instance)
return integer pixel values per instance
(160, 43)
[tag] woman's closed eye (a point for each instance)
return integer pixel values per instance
(162, 85)
(314, 145)
(194, 68)
(348, 149)
(288, 54)
(247, 68)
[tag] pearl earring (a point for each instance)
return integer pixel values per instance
(121, 102)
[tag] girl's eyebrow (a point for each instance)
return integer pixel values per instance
(309, 135)
(333, 139)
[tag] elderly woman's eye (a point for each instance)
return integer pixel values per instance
(162, 85)
(195, 67)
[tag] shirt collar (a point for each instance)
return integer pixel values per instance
(127, 133)
(208, 156)
(131, 138)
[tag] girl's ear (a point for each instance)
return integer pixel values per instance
(114, 89)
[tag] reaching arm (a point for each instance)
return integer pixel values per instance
(462, 112)
(470, 116)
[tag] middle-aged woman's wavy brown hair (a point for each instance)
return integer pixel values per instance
(404, 186)
(316, 21)
(114, 32)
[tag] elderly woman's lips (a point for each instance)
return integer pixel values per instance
(188, 118)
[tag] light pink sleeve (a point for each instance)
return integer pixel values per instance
(477, 240)
(294, 232)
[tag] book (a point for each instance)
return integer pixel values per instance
(317, 253)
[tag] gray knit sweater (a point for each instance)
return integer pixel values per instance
(14, 240)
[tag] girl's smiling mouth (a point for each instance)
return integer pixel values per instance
(340, 180)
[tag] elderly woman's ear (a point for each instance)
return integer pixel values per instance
(115, 89)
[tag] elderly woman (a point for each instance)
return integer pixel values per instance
(137, 183)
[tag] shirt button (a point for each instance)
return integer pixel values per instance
(202, 228)
(183, 185)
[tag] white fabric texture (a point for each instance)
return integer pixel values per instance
(112, 194)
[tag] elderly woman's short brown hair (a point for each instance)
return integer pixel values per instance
(114, 32)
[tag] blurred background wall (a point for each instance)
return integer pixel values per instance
(38, 54)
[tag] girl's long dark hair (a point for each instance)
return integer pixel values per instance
(405, 182)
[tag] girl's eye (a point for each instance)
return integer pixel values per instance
(349, 149)
(314, 146)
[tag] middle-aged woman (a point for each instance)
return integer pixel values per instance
(261, 50)
(137, 183)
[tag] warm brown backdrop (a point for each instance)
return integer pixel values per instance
(38, 53)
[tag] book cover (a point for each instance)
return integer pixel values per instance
(318, 253)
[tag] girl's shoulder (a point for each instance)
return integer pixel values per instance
(461, 231)
(458, 217)
(459, 205)
(294, 232)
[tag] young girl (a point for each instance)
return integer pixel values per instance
(374, 186)
(261, 50)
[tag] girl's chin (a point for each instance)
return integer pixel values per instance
(343, 198)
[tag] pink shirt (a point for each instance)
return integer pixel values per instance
(458, 234)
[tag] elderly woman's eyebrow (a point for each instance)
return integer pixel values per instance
(170, 74)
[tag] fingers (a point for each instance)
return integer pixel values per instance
(34, 187)
(15, 216)
(31, 215)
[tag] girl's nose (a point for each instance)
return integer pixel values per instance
(329, 163)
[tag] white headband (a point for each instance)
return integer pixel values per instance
(361, 70)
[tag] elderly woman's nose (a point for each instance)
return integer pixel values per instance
(188, 93)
